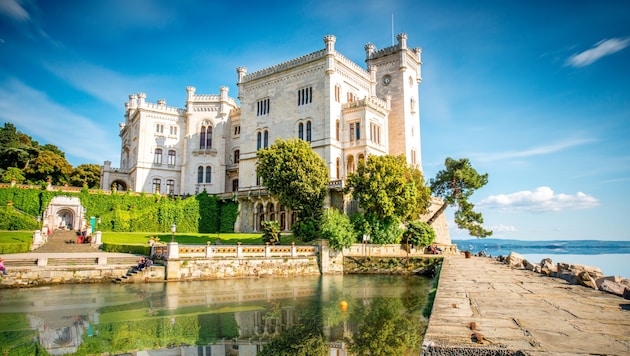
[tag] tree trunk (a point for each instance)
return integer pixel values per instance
(436, 214)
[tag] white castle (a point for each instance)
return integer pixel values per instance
(346, 112)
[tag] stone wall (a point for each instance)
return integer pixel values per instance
(35, 276)
(201, 268)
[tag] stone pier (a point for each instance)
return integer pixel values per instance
(483, 307)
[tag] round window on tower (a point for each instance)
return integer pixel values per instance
(387, 79)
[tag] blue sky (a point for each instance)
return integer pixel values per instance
(535, 93)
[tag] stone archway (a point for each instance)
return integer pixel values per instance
(65, 219)
(65, 213)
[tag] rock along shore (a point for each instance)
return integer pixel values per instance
(484, 307)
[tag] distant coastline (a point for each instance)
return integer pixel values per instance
(612, 257)
(556, 247)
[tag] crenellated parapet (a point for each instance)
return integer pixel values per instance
(284, 66)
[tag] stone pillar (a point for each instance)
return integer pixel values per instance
(293, 249)
(323, 256)
(97, 239)
(267, 249)
(239, 250)
(37, 239)
(209, 251)
(42, 262)
(173, 250)
(102, 260)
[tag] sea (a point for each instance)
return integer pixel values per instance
(612, 257)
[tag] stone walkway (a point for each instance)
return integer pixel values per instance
(483, 307)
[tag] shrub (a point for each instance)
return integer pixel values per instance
(271, 232)
(419, 233)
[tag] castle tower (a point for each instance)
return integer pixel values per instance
(398, 76)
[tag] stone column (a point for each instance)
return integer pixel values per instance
(172, 250)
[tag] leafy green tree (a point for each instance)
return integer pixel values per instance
(271, 232)
(386, 187)
(53, 148)
(419, 233)
(455, 184)
(299, 340)
(89, 174)
(297, 176)
(337, 228)
(48, 164)
(12, 173)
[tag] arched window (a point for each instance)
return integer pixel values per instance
(266, 139)
(200, 174)
(157, 156)
(337, 130)
(301, 131)
(205, 137)
(157, 182)
(338, 167)
(202, 138)
(172, 155)
(258, 140)
(361, 157)
(209, 138)
(237, 156)
(208, 174)
(350, 165)
(170, 186)
(308, 131)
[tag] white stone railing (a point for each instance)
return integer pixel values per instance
(231, 251)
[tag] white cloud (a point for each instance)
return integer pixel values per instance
(503, 228)
(112, 87)
(34, 113)
(539, 200)
(14, 10)
(534, 151)
(600, 50)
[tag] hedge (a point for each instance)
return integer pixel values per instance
(130, 212)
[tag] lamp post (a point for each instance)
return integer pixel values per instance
(98, 223)
(173, 229)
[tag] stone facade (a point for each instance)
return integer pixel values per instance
(345, 111)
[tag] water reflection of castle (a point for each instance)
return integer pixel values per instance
(262, 308)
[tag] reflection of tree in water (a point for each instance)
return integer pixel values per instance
(305, 338)
(387, 329)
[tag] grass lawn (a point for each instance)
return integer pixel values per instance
(15, 236)
(142, 238)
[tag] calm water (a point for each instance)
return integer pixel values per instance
(227, 317)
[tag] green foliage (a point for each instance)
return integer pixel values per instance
(48, 164)
(11, 174)
(86, 174)
(300, 340)
(385, 330)
(126, 212)
(271, 232)
(386, 231)
(15, 241)
(455, 184)
(337, 228)
(419, 233)
(11, 219)
(298, 177)
(307, 228)
(135, 249)
(387, 187)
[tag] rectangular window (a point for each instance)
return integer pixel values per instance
(200, 174)
(337, 93)
(173, 130)
(208, 174)
(358, 131)
(305, 96)
(156, 185)
(262, 107)
(352, 132)
(170, 186)
(237, 130)
(159, 128)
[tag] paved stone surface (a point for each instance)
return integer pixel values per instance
(64, 242)
(519, 312)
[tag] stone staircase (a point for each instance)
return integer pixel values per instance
(64, 241)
